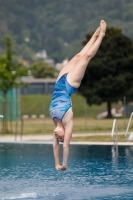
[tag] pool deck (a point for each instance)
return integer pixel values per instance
(47, 139)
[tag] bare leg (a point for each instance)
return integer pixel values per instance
(77, 72)
(77, 57)
(91, 41)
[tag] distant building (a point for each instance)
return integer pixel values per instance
(41, 54)
(59, 66)
(37, 85)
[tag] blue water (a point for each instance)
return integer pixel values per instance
(95, 172)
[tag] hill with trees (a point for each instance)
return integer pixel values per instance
(59, 26)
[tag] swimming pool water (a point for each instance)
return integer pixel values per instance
(27, 172)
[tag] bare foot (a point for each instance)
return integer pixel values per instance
(64, 168)
(103, 27)
(61, 168)
(58, 167)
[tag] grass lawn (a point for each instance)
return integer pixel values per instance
(39, 104)
(81, 125)
(84, 118)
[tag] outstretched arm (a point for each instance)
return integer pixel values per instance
(67, 138)
(56, 150)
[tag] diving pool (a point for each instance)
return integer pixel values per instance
(27, 172)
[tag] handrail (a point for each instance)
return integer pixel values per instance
(127, 138)
(115, 129)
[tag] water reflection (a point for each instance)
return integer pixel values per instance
(114, 151)
(129, 155)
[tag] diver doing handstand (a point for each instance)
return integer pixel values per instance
(69, 79)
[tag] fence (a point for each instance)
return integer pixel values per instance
(33, 115)
(9, 109)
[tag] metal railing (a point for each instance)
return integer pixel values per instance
(115, 139)
(115, 129)
(127, 135)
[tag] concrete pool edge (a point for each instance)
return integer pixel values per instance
(72, 143)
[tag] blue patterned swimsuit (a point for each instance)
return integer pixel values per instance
(61, 98)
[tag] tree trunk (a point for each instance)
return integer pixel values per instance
(109, 115)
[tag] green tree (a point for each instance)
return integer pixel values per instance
(10, 73)
(43, 70)
(110, 73)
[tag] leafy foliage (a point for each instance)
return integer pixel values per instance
(43, 70)
(109, 75)
(10, 71)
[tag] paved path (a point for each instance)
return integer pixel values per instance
(48, 138)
